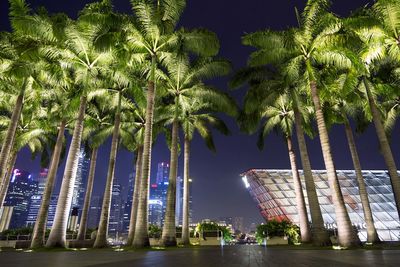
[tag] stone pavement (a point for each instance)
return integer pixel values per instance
(239, 255)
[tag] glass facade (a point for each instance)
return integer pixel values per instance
(274, 194)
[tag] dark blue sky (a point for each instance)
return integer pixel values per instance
(218, 189)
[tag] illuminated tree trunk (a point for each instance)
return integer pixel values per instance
(135, 197)
(384, 145)
(186, 194)
(301, 205)
(102, 232)
(88, 195)
(320, 236)
(347, 236)
(141, 237)
(38, 235)
(169, 229)
(58, 231)
(372, 235)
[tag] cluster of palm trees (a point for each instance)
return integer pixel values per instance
(334, 70)
(96, 77)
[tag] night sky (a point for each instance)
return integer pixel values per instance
(217, 188)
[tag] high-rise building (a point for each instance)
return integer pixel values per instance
(20, 190)
(128, 203)
(179, 201)
(155, 212)
(80, 181)
(36, 199)
(116, 210)
(94, 212)
(162, 172)
(274, 194)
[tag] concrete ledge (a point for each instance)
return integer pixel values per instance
(277, 240)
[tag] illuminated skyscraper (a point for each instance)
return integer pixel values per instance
(36, 199)
(162, 173)
(128, 203)
(80, 181)
(22, 187)
(116, 210)
(158, 190)
(94, 212)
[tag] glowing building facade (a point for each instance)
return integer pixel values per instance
(274, 194)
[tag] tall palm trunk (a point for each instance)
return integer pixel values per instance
(384, 145)
(39, 230)
(347, 237)
(88, 195)
(102, 232)
(301, 204)
(372, 235)
(57, 236)
(320, 236)
(141, 237)
(135, 197)
(8, 142)
(7, 177)
(168, 237)
(186, 194)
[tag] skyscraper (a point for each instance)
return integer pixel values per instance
(158, 190)
(36, 199)
(128, 203)
(80, 181)
(179, 201)
(162, 172)
(21, 188)
(116, 210)
(94, 212)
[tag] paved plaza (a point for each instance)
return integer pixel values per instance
(245, 255)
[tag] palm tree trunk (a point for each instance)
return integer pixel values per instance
(135, 197)
(102, 232)
(88, 195)
(169, 229)
(301, 205)
(39, 230)
(57, 236)
(141, 237)
(372, 235)
(7, 177)
(186, 194)
(320, 236)
(8, 142)
(384, 145)
(347, 237)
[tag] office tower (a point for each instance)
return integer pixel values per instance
(94, 212)
(162, 172)
(20, 190)
(155, 212)
(273, 192)
(179, 201)
(36, 199)
(78, 194)
(116, 210)
(128, 203)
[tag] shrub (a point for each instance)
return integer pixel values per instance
(278, 228)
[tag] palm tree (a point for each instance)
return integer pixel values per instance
(299, 52)
(265, 84)
(81, 56)
(338, 107)
(279, 115)
(379, 44)
(154, 36)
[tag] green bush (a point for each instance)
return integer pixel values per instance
(213, 226)
(154, 231)
(17, 231)
(278, 228)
